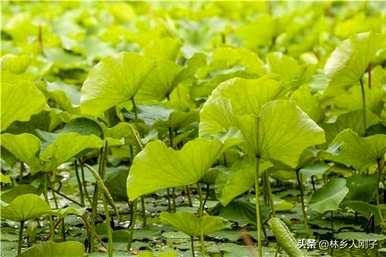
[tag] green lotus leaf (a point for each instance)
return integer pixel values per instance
(352, 120)
(349, 60)
(329, 197)
(161, 81)
(67, 145)
(259, 32)
(364, 208)
(83, 126)
(361, 187)
(229, 58)
(158, 167)
(166, 48)
(53, 249)
(21, 189)
(308, 102)
(25, 207)
(236, 103)
(15, 63)
(20, 99)
(192, 225)
(25, 147)
(236, 180)
(285, 131)
(359, 152)
(112, 81)
(291, 76)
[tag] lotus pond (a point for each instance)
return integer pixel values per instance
(204, 128)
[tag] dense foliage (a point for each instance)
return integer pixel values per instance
(192, 128)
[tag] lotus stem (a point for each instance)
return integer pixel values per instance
(258, 219)
(133, 208)
(20, 237)
(174, 199)
(187, 188)
(21, 172)
(363, 105)
(269, 191)
(134, 108)
(79, 183)
(110, 248)
(85, 191)
(200, 214)
(381, 164)
(143, 209)
(301, 189)
(192, 245)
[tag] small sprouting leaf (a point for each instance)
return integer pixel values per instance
(192, 225)
(158, 167)
(25, 207)
(329, 197)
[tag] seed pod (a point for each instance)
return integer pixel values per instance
(284, 237)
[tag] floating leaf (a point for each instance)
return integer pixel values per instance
(192, 225)
(53, 249)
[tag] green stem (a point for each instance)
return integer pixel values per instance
(188, 195)
(108, 227)
(84, 183)
(133, 208)
(20, 237)
(79, 183)
(21, 172)
(301, 189)
(63, 229)
(258, 220)
(381, 164)
(143, 209)
(174, 199)
(200, 214)
(363, 105)
(207, 194)
(269, 191)
(192, 245)
(169, 201)
(134, 108)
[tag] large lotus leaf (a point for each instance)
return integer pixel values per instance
(67, 145)
(21, 189)
(349, 60)
(359, 152)
(292, 74)
(229, 58)
(236, 103)
(329, 196)
(112, 81)
(25, 147)
(352, 120)
(285, 131)
(236, 180)
(158, 167)
(365, 209)
(20, 99)
(161, 81)
(53, 249)
(15, 63)
(192, 225)
(25, 207)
